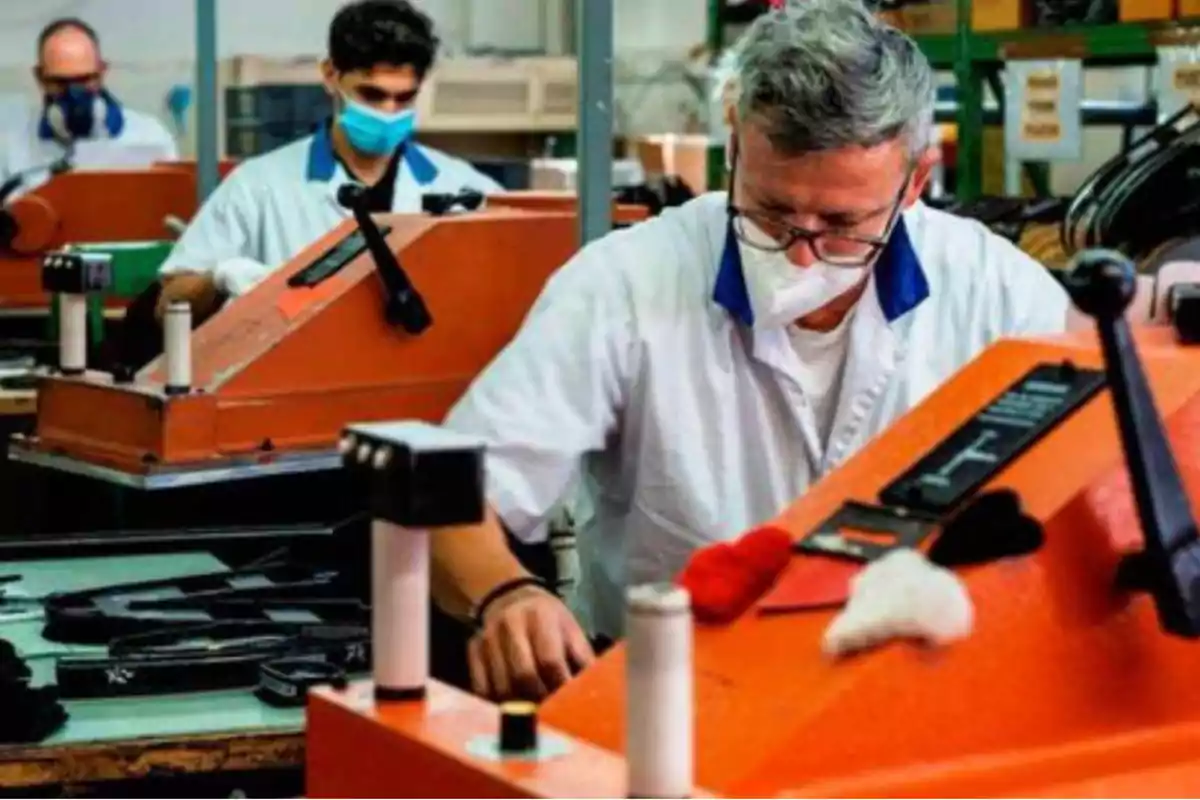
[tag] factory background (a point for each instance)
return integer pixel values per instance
(659, 67)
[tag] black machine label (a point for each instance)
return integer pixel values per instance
(988, 442)
(334, 259)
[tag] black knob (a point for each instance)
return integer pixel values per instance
(518, 727)
(1101, 283)
(349, 195)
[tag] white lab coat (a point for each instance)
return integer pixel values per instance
(640, 360)
(273, 206)
(23, 147)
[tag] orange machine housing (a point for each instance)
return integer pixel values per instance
(282, 369)
(1067, 687)
(83, 207)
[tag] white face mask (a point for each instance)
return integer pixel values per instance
(782, 292)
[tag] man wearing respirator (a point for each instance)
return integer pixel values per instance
(77, 111)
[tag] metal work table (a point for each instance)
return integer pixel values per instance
(122, 739)
(234, 469)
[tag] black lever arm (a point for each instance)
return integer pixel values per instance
(1102, 284)
(404, 305)
(8, 225)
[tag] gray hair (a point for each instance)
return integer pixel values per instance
(825, 74)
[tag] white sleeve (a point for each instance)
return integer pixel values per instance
(1032, 301)
(167, 142)
(472, 178)
(225, 228)
(554, 393)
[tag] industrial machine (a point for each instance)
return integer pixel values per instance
(85, 207)
(1077, 680)
(372, 321)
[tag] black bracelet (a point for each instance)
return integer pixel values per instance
(506, 588)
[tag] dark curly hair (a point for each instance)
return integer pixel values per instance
(367, 33)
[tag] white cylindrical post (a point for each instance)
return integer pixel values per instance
(72, 333)
(177, 347)
(399, 611)
(659, 701)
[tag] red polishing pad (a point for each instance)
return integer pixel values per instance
(724, 580)
(811, 581)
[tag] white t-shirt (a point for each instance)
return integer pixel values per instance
(821, 363)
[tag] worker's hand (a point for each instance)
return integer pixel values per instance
(530, 644)
(195, 288)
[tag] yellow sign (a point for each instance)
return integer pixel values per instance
(1041, 117)
(1186, 81)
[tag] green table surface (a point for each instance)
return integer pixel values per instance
(160, 717)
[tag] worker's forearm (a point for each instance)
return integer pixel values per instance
(469, 562)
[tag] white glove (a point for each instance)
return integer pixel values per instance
(236, 276)
(902, 595)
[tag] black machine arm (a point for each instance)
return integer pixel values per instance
(8, 225)
(404, 306)
(1102, 283)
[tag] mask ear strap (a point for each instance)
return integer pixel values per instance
(53, 126)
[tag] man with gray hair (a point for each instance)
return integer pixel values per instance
(701, 370)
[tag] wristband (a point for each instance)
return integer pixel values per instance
(506, 588)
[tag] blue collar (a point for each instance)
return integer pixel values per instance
(899, 280)
(322, 163)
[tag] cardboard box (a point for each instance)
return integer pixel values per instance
(999, 15)
(1142, 10)
(936, 17)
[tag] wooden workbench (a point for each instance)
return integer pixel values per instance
(146, 737)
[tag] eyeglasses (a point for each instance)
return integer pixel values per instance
(60, 83)
(832, 247)
(837, 248)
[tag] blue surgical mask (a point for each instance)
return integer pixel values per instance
(81, 113)
(374, 132)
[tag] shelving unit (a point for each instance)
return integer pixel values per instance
(976, 58)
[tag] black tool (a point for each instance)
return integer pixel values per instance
(1102, 284)
(991, 526)
(30, 715)
(439, 204)
(285, 682)
(276, 593)
(335, 259)
(1183, 309)
(197, 658)
(886, 529)
(984, 445)
(404, 307)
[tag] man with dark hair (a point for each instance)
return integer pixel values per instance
(78, 113)
(273, 206)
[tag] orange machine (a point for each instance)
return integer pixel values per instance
(224, 166)
(83, 207)
(280, 370)
(1068, 686)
